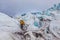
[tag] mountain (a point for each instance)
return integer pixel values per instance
(8, 27)
(42, 24)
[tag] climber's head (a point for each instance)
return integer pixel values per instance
(22, 22)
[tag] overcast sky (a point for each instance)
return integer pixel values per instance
(12, 7)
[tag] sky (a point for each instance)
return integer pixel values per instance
(12, 7)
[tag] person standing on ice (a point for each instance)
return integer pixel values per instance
(22, 23)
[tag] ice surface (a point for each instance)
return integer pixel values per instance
(50, 23)
(38, 26)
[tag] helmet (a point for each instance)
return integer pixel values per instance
(22, 22)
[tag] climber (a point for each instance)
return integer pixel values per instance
(22, 23)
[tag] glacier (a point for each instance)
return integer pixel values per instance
(46, 25)
(43, 25)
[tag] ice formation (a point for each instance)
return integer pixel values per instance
(45, 24)
(38, 26)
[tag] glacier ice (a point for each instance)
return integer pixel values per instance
(44, 24)
(38, 26)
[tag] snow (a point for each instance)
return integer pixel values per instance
(55, 25)
(47, 25)
(33, 24)
(8, 26)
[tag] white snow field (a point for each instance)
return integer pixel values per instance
(8, 26)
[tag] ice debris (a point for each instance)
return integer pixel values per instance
(37, 25)
(46, 24)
